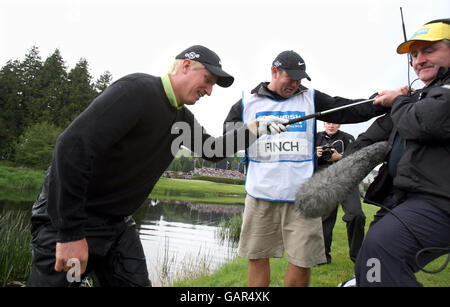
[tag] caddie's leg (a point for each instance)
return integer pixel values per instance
(258, 273)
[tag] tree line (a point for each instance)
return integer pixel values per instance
(38, 100)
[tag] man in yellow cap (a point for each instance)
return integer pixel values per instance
(413, 185)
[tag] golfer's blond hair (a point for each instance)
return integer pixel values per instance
(176, 66)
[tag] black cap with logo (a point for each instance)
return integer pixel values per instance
(211, 61)
(291, 62)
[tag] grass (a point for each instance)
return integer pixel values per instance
(234, 274)
(198, 191)
(18, 178)
(23, 183)
(15, 250)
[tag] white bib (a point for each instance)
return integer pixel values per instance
(279, 164)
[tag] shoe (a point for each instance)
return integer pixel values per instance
(349, 283)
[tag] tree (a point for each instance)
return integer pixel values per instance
(35, 146)
(12, 109)
(103, 81)
(30, 91)
(52, 81)
(80, 93)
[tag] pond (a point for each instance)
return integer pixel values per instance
(180, 238)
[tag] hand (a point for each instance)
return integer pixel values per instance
(385, 98)
(71, 250)
(335, 156)
(271, 125)
(319, 151)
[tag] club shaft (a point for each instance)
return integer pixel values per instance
(318, 114)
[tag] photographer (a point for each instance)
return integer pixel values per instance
(331, 146)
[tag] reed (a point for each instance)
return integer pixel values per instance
(15, 250)
(171, 269)
(230, 230)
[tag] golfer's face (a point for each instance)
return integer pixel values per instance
(200, 83)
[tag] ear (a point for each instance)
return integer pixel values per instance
(274, 72)
(186, 66)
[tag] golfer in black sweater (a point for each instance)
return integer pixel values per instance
(106, 163)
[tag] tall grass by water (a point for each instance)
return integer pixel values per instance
(15, 250)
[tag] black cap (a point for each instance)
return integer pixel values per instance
(211, 61)
(293, 64)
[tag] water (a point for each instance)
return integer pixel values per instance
(180, 239)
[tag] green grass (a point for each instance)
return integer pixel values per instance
(15, 250)
(199, 191)
(18, 178)
(24, 183)
(234, 274)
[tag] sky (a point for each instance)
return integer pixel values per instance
(348, 45)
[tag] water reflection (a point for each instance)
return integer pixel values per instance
(180, 239)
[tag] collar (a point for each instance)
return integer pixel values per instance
(168, 89)
(263, 90)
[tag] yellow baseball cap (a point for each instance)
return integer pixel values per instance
(433, 31)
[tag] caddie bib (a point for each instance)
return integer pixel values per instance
(279, 164)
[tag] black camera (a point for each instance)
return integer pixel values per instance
(327, 152)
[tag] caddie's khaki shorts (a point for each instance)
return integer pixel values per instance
(270, 228)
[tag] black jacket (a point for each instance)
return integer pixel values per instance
(422, 123)
(340, 141)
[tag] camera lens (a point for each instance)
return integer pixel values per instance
(326, 154)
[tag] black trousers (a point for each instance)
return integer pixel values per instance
(116, 257)
(355, 221)
(388, 254)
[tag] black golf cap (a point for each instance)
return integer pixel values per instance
(211, 61)
(291, 62)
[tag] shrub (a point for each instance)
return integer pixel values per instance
(35, 146)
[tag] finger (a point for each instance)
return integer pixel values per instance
(378, 100)
(59, 265)
(282, 127)
(274, 128)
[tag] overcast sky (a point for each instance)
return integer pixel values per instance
(348, 45)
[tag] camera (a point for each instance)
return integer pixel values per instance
(327, 152)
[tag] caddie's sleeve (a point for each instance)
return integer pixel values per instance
(356, 114)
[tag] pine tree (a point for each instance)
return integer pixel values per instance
(103, 81)
(52, 81)
(12, 109)
(80, 91)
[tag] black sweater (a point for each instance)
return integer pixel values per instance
(109, 159)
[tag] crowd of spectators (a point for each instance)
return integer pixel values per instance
(212, 172)
(216, 172)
